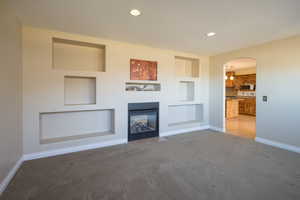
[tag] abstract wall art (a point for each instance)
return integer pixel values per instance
(143, 70)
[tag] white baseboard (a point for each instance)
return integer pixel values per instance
(222, 130)
(278, 144)
(10, 175)
(45, 154)
(180, 131)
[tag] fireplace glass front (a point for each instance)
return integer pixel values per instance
(143, 120)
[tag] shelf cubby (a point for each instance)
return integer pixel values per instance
(145, 87)
(77, 55)
(71, 125)
(187, 67)
(186, 91)
(80, 90)
(183, 114)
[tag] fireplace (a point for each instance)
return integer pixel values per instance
(143, 120)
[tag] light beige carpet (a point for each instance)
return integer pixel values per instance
(200, 165)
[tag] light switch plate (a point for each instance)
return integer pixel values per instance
(265, 98)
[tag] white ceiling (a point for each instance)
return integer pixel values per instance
(172, 24)
(242, 63)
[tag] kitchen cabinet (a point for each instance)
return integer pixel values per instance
(244, 80)
(229, 83)
(232, 108)
(247, 106)
(239, 80)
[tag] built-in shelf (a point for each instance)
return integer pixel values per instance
(138, 86)
(186, 91)
(185, 123)
(77, 55)
(80, 90)
(187, 67)
(75, 137)
(71, 125)
(183, 114)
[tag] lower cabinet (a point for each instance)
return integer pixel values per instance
(232, 108)
(247, 106)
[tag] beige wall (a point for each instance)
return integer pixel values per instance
(278, 77)
(43, 86)
(10, 90)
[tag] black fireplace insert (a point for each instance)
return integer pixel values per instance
(143, 120)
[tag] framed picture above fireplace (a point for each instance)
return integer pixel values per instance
(143, 70)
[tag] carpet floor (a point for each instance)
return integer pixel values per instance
(199, 165)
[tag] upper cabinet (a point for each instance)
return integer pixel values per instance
(229, 80)
(244, 80)
(236, 81)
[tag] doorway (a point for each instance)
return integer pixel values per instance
(240, 97)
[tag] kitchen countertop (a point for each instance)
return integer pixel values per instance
(239, 97)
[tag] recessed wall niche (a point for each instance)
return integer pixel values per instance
(183, 114)
(80, 90)
(186, 90)
(130, 86)
(187, 67)
(76, 55)
(71, 125)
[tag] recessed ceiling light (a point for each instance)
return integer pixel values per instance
(210, 34)
(135, 12)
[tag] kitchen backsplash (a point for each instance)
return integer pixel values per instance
(231, 92)
(247, 93)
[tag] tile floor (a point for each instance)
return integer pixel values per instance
(243, 126)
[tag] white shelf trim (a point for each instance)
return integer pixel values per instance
(181, 131)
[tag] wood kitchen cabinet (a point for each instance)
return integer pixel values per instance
(247, 106)
(232, 108)
(239, 80)
(244, 79)
(229, 83)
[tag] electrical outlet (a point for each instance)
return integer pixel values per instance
(265, 98)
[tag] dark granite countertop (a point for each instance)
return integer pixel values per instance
(240, 97)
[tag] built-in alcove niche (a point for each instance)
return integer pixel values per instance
(77, 55)
(72, 125)
(184, 114)
(186, 91)
(186, 67)
(142, 87)
(80, 90)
